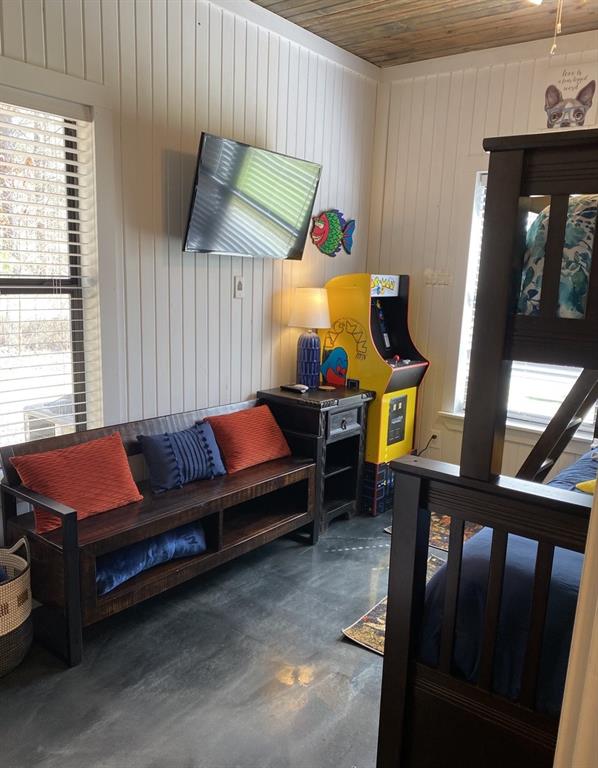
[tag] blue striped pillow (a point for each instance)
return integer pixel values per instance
(177, 458)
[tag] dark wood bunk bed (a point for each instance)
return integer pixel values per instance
(432, 713)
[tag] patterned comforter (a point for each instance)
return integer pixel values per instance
(577, 259)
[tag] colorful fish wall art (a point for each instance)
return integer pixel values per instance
(330, 231)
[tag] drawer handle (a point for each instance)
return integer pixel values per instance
(344, 424)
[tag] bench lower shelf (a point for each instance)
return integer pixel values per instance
(244, 528)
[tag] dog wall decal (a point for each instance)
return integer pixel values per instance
(568, 112)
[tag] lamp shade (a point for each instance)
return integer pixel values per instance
(309, 308)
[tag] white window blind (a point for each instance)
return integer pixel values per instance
(49, 331)
(536, 390)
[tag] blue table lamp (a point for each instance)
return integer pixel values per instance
(309, 309)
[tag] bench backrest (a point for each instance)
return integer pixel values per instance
(128, 432)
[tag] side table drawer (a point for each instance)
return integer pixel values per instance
(344, 422)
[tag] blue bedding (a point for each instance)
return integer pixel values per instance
(583, 469)
(119, 566)
(515, 609)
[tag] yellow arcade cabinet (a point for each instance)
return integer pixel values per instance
(368, 346)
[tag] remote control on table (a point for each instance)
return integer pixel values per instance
(301, 388)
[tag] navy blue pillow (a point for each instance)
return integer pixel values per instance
(208, 440)
(177, 458)
(115, 568)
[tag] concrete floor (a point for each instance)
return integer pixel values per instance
(242, 668)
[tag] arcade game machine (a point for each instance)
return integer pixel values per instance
(368, 346)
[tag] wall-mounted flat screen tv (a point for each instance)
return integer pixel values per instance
(249, 202)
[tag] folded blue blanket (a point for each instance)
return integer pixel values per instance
(3, 574)
(115, 568)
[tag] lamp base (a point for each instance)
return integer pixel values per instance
(308, 359)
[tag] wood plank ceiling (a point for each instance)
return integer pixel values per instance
(389, 32)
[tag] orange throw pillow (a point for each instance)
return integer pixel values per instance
(248, 437)
(90, 477)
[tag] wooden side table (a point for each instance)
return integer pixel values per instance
(329, 427)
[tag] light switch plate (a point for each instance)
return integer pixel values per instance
(238, 287)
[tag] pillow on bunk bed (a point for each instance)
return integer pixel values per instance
(588, 486)
(576, 263)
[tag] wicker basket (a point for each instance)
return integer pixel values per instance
(16, 629)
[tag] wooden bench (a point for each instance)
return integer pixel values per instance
(239, 513)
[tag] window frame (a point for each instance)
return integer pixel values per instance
(93, 103)
(519, 419)
(71, 286)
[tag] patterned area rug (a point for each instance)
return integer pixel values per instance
(440, 530)
(368, 631)
(440, 526)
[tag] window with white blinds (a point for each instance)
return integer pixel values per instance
(49, 330)
(536, 390)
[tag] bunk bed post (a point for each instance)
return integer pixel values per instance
(490, 368)
(407, 582)
(429, 698)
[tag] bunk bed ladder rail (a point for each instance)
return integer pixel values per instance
(501, 335)
(564, 424)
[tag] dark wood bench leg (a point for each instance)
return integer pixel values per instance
(8, 505)
(61, 631)
(314, 506)
(315, 532)
(72, 592)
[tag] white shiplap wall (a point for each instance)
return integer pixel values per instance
(169, 69)
(431, 119)
(166, 69)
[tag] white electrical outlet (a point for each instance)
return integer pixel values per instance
(238, 287)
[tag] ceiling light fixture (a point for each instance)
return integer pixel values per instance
(557, 24)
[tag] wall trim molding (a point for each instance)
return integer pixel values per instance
(110, 268)
(46, 83)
